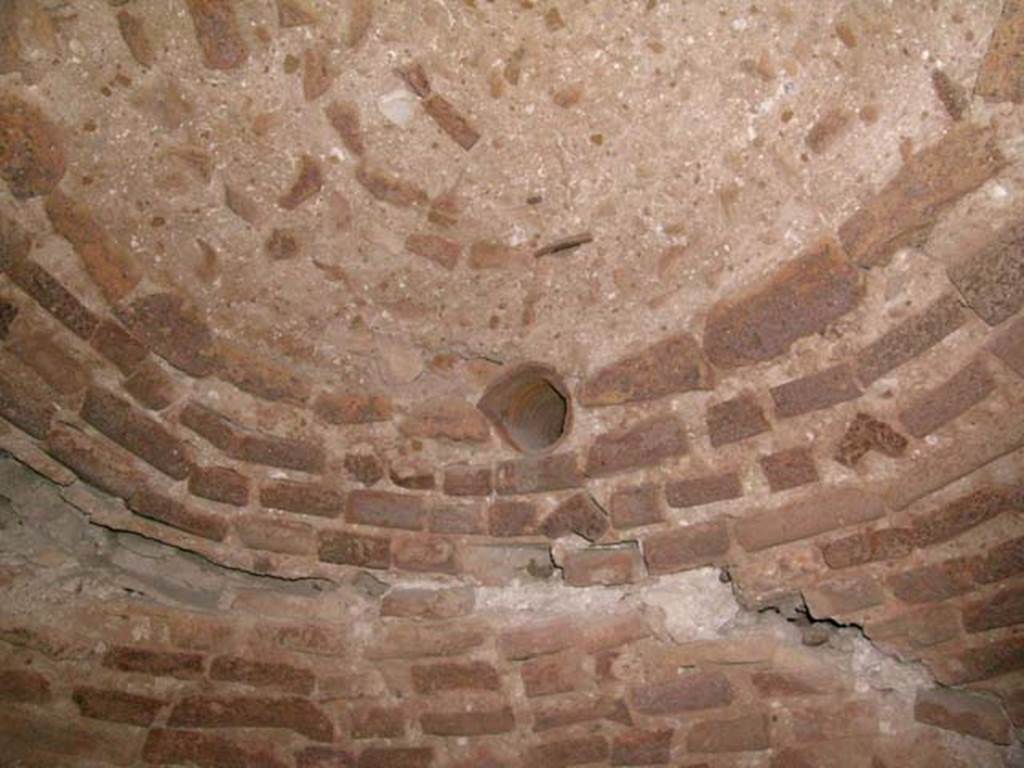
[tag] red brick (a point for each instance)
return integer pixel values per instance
(511, 518)
(642, 748)
(378, 723)
(688, 547)
(430, 554)
(440, 250)
(151, 386)
(685, 693)
(302, 498)
(706, 489)
(963, 712)
(910, 338)
(411, 475)
(447, 418)
(815, 392)
(991, 280)
(947, 401)
(24, 685)
(413, 641)
(831, 509)
(633, 507)
(1000, 609)
(613, 629)
(904, 211)
(1008, 346)
(464, 480)
(608, 566)
(324, 757)
(667, 367)
(735, 420)
(571, 751)
(801, 298)
(164, 746)
(346, 548)
(578, 514)
(173, 330)
(790, 468)
(48, 291)
(539, 474)
(290, 713)
(118, 346)
(219, 484)
(538, 638)
(742, 734)
(274, 534)
(477, 723)
(163, 509)
(116, 706)
(994, 658)
(433, 604)
(111, 267)
(964, 513)
(262, 674)
(1002, 561)
(829, 720)
(932, 583)
(457, 520)
(136, 432)
(866, 433)
(842, 596)
(921, 627)
(32, 162)
(647, 443)
(783, 683)
(364, 467)
(283, 452)
(868, 547)
(1000, 77)
(260, 377)
(385, 509)
(95, 462)
(186, 666)
(352, 408)
(217, 33)
(25, 405)
(468, 676)
(51, 361)
(558, 673)
(575, 709)
(399, 757)
(214, 427)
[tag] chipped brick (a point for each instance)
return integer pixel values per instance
(790, 468)
(390, 189)
(831, 509)
(688, 547)
(463, 480)
(1009, 346)
(686, 693)
(646, 443)
(962, 712)
(118, 346)
(31, 150)
(440, 250)
(1000, 77)
(308, 183)
(578, 514)
(904, 211)
(345, 548)
(922, 627)
(408, 641)
(290, 713)
(344, 119)
(303, 498)
(94, 462)
(559, 673)
(866, 433)
(133, 32)
(868, 547)
(116, 706)
(991, 280)
(429, 554)
(275, 534)
(396, 757)
(842, 596)
(667, 367)
(742, 734)
(447, 418)
(815, 392)
(451, 121)
(316, 73)
(173, 330)
(633, 507)
(25, 403)
(802, 298)
(185, 666)
(259, 377)
(706, 489)
(217, 33)
(352, 408)
(608, 566)
(152, 386)
(364, 467)
(51, 361)
(162, 509)
(219, 484)
(932, 583)
(511, 518)
(734, 420)
(999, 609)
(539, 474)
(950, 94)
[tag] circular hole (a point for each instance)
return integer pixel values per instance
(530, 407)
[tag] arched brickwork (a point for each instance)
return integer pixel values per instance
(837, 432)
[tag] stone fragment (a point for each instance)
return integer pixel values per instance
(390, 189)
(904, 211)
(316, 73)
(359, 22)
(1000, 77)
(344, 119)
(428, 604)
(296, 13)
(991, 280)
(133, 32)
(308, 182)
(31, 150)
(451, 121)
(950, 94)
(802, 298)
(217, 33)
(670, 366)
(827, 130)
(440, 250)
(578, 514)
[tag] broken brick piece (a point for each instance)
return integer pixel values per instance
(866, 433)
